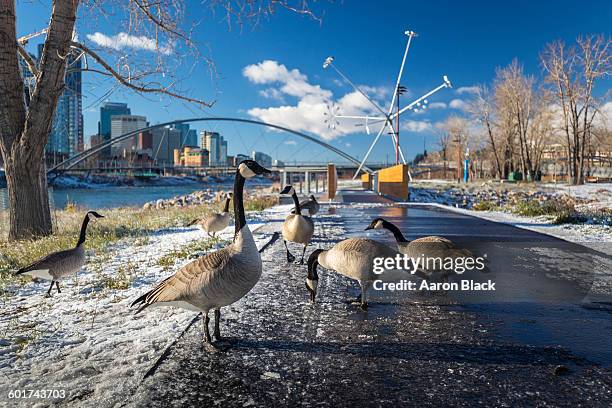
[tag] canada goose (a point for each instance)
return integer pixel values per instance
(311, 205)
(431, 246)
(353, 258)
(60, 264)
(216, 222)
(297, 227)
(217, 279)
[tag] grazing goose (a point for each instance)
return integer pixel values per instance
(312, 205)
(61, 264)
(216, 222)
(297, 228)
(431, 246)
(217, 279)
(353, 258)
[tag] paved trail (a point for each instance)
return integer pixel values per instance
(409, 348)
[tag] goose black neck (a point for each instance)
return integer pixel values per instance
(313, 262)
(226, 206)
(83, 230)
(238, 204)
(298, 209)
(399, 237)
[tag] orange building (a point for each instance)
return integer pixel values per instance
(191, 157)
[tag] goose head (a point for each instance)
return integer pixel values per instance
(288, 190)
(377, 223)
(250, 168)
(312, 197)
(92, 215)
(312, 279)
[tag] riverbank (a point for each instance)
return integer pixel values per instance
(119, 224)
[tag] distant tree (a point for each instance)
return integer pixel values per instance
(572, 73)
(482, 110)
(25, 124)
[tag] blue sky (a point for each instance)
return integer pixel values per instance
(461, 39)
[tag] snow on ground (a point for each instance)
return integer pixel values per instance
(86, 339)
(594, 233)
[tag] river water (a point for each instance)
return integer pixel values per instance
(117, 196)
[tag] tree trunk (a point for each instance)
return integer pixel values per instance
(23, 136)
(28, 198)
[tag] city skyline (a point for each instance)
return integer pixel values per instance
(284, 81)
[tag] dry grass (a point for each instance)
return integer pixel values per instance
(118, 224)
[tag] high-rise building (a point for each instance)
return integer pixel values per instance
(107, 110)
(261, 158)
(122, 124)
(223, 154)
(192, 138)
(66, 135)
(216, 146)
(164, 141)
(189, 137)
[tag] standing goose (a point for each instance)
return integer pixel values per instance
(61, 264)
(353, 258)
(216, 222)
(431, 246)
(217, 279)
(297, 228)
(312, 205)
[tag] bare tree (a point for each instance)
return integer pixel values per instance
(482, 109)
(572, 73)
(26, 118)
(455, 131)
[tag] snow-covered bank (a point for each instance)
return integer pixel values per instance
(86, 340)
(592, 201)
(597, 237)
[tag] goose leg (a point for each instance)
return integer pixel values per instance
(364, 301)
(290, 258)
(219, 343)
(57, 286)
(49, 291)
(303, 252)
(205, 320)
(217, 332)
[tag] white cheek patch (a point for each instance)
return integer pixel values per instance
(291, 191)
(312, 284)
(245, 171)
(379, 225)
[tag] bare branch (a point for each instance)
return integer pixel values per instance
(28, 60)
(24, 39)
(143, 89)
(144, 7)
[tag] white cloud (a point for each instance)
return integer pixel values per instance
(467, 89)
(272, 93)
(436, 105)
(290, 142)
(416, 125)
(348, 144)
(308, 114)
(124, 40)
(458, 104)
(293, 82)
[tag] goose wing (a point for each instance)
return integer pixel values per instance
(188, 280)
(52, 260)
